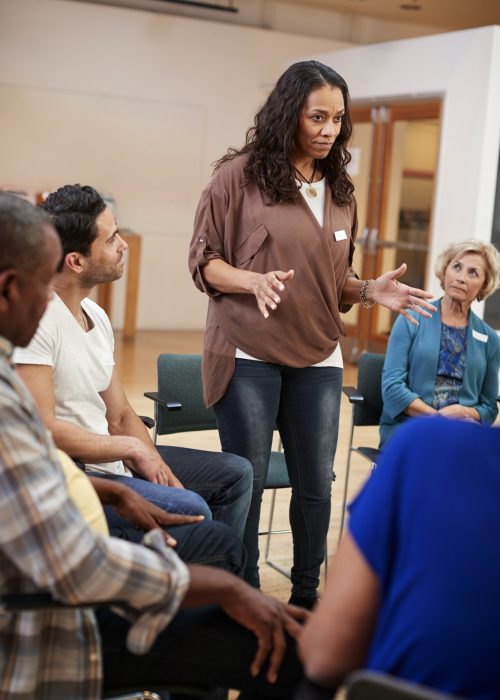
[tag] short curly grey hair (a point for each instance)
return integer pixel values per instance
(487, 251)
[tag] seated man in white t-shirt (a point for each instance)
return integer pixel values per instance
(69, 368)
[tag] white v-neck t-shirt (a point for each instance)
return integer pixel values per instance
(82, 365)
(317, 206)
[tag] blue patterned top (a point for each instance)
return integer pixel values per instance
(451, 365)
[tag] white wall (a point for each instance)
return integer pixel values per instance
(464, 69)
(297, 18)
(138, 104)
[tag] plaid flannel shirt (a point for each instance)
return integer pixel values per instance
(46, 545)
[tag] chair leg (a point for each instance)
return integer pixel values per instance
(346, 482)
(268, 533)
(270, 524)
(155, 430)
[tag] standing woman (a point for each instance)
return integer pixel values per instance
(272, 247)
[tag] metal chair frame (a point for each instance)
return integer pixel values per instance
(168, 401)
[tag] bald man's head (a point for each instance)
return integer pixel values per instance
(30, 251)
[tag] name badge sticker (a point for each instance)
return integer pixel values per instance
(340, 235)
(479, 336)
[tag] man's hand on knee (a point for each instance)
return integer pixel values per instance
(268, 619)
(139, 512)
(147, 462)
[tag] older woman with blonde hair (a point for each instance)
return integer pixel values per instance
(448, 365)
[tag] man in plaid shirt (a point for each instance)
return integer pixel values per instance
(45, 545)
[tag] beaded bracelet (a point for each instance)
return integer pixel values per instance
(367, 303)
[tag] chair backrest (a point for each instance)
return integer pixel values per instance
(370, 385)
(370, 685)
(179, 379)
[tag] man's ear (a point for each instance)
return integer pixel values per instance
(73, 261)
(9, 290)
(8, 285)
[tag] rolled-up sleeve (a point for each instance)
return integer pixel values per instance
(207, 242)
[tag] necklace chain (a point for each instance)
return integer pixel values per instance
(310, 190)
(304, 179)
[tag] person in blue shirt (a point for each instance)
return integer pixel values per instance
(448, 365)
(413, 590)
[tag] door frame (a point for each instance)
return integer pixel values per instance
(382, 114)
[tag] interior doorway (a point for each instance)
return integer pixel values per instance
(394, 151)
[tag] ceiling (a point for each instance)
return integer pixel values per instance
(449, 14)
(440, 15)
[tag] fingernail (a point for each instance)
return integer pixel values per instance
(266, 315)
(273, 306)
(171, 542)
(281, 287)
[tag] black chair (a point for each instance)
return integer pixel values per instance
(369, 685)
(366, 400)
(180, 387)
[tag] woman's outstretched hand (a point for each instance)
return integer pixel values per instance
(396, 296)
(266, 288)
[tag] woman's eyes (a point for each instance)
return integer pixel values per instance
(320, 117)
(471, 273)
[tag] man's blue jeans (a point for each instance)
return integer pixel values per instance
(304, 404)
(209, 543)
(223, 481)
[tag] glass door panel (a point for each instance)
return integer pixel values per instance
(360, 172)
(409, 189)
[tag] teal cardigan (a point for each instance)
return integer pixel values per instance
(411, 363)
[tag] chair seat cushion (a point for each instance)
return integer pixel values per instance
(371, 453)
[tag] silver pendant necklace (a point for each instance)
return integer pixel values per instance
(310, 190)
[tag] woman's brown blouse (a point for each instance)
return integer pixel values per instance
(240, 224)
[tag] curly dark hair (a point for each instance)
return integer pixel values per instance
(74, 210)
(271, 141)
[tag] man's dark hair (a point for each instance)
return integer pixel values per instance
(74, 210)
(21, 232)
(271, 140)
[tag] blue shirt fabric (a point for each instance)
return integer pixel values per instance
(428, 524)
(451, 366)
